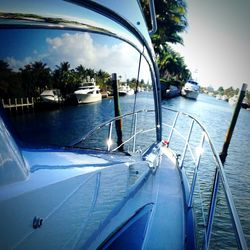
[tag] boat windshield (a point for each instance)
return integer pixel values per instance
(62, 60)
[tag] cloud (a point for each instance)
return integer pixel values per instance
(80, 48)
(92, 51)
(77, 49)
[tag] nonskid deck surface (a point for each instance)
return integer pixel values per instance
(167, 229)
(81, 207)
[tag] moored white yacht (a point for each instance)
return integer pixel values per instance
(191, 89)
(52, 96)
(233, 100)
(125, 90)
(88, 92)
(122, 90)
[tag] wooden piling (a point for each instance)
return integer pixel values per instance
(230, 130)
(16, 103)
(10, 104)
(118, 123)
(22, 103)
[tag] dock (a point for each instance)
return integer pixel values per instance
(18, 104)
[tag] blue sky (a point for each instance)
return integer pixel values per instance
(12, 42)
(217, 42)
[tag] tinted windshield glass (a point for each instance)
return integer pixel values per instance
(42, 77)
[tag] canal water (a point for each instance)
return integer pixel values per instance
(67, 124)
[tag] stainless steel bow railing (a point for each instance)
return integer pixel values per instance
(182, 148)
(219, 177)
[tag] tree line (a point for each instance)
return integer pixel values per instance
(32, 79)
(230, 92)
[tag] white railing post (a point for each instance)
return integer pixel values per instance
(109, 142)
(135, 128)
(186, 144)
(173, 126)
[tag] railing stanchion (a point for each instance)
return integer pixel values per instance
(109, 142)
(135, 128)
(173, 126)
(186, 144)
(212, 208)
(196, 171)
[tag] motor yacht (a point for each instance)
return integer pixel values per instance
(52, 96)
(191, 90)
(88, 92)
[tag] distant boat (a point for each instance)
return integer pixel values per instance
(88, 92)
(222, 97)
(169, 91)
(218, 97)
(245, 104)
(191, 90)
(125, 90)
(130, 91)
(52, 96)
(233, 100)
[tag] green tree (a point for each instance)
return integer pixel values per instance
(5, 73)
(171, 20)
(172, 66)
(61, 76)
(101, 78)
(10, 82)
(41, 76)
(81, 72)
(220, 90)
(35, 78)
(27, 80)
(230, 92)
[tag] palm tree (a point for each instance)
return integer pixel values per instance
(171, 20)
(81, 72)
(5, 73)
(61, 75)
(41, 76)
(27, 81)
(101, 78)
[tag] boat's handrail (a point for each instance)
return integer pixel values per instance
(219, 175)
(110, 123)
(219, 171)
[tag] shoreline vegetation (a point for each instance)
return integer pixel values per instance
(228, 94)
(32, 79)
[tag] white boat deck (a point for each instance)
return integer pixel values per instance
(81, 205)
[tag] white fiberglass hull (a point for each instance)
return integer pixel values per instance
(88, 98)
(122, 93)
(190, 94)
(130, 92)
(78, 207)
(50, 99)
(190, 90)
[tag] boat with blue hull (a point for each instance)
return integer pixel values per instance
(122, 185)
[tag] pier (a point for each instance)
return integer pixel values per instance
(18, 104)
